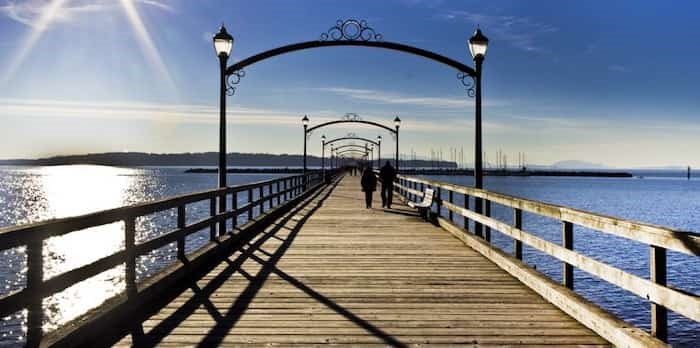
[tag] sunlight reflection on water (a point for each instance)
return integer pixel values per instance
(31, 194)
(69, 191)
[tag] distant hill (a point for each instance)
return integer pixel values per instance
(138, 159)
(573, 164)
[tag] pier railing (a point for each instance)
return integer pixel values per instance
(32, 236)
(660, 295)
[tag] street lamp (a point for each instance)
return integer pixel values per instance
(323, 155)
(223, 42)
(305, 123)
(397, 124)
(478, 44)
(379, 151)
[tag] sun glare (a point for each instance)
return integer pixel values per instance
(48, 14)
(144, 39)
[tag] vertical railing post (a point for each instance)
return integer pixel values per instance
(234, 209)
(261, 194)
(222, 209)
(450, 199)
(250, 204)
(181, 234)
(270, 196)
(438, 203)
(518, 223)
(35, 277)
(130, 253)
(286, 188)
(567, 241)
(278, 192)
(657, 273)
(487, 213)
(466, 206)
(212, 213)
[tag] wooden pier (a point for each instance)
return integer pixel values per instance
(311, 265)
(335, 272)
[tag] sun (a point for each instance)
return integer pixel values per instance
(55, 10)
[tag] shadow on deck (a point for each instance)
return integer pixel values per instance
(330, 271)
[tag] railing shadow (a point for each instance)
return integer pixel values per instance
(201, 296)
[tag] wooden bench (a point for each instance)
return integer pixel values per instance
(424, 206)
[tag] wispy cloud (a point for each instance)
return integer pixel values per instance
(617, 68)
(30, 12)
(521, 32)
(40, 15)
(393, 98)
(209, 114)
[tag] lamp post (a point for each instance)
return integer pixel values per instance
(379, 151)
(478, 44)
(223, 42)
(397, 124)
(323, 155)
(305, 123)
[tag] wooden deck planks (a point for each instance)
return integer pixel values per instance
(338, 273)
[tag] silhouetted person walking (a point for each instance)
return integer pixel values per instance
(369, 184)
(387, 175)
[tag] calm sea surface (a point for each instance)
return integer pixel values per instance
(29, 194)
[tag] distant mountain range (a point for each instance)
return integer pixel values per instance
(138, 159)
(573, 164)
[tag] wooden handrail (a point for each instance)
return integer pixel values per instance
(680, 241)
(33, 236)
(659, 238)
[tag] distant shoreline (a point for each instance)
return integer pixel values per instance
(428, 171)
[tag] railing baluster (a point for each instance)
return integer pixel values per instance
(261, 195)
(35, 277)
(222, 209)
(466, 206)
(269, 196)
(438, 202)
(212, 213)
(487, 213)
(567, 241)
(449, 198)
(130, 251)
(657, 273)
(181, 238)
(278, 192)
(518, 223)
(250, 204)
(234, 209)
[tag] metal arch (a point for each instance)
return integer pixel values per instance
(378, 44)
(350, 145)
(352, 138)
(353, 151)
(351, 121)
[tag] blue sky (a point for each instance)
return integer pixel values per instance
(600, 81)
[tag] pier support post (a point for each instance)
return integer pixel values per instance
(35, 276)
(567, 241)
(659, 314)
(518, 223)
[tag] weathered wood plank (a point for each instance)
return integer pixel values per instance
(356, 276)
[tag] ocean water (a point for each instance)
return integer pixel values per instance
(658, 197)
(29, 194)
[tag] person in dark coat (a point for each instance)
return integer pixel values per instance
(387, 175)
(369, 185)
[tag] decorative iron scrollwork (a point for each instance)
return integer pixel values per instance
(351, 30)
(468, 81)
(351, 116)
(232, 80)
